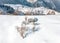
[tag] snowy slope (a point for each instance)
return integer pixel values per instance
(25, 9)
(51, 4)
(49, 30)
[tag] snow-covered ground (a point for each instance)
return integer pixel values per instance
(25, 9)
(49, 30)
